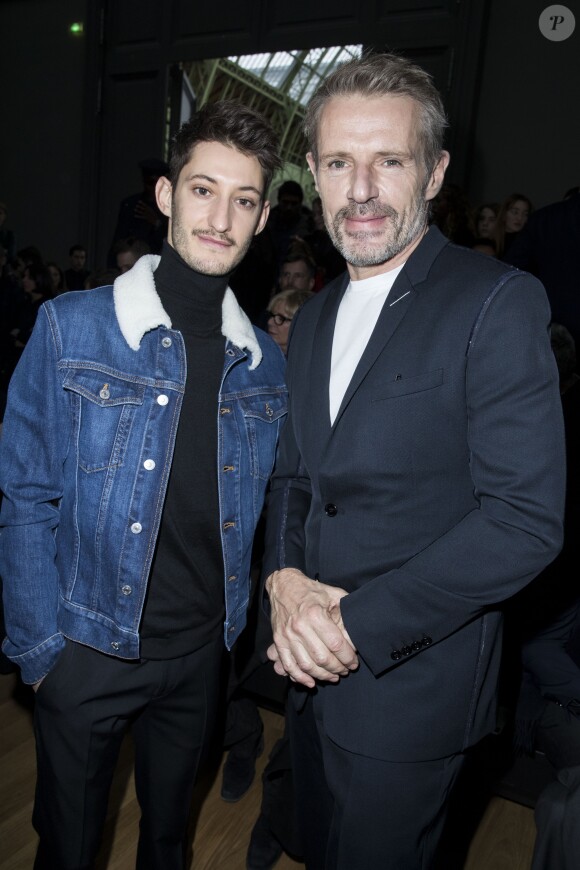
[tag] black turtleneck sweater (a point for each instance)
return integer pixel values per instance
(184, 608)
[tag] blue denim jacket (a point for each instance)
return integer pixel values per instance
(85, 456)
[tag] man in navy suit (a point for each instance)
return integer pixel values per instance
(549, 248)
(419, 483)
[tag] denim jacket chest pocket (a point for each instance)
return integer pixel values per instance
(104, 408)
(260, 412)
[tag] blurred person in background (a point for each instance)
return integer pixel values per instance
(283, 307)
(77, 273)
(485, 218)
(511, 219)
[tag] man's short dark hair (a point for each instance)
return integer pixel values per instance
(290, 188)
(301, 258)
(230, 123)
(131, 244)
(378, 75)
(75, 248)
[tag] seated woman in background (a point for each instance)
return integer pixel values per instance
(56, 278)
(452, 212)
(283, 306)
(511, 219)
(485, 218)
(36, 288)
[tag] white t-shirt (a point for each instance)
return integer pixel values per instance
(357, 317)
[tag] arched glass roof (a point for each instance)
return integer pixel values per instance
(278, 84)
(296, 73)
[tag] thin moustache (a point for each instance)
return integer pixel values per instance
(213, 235)
(350, 212)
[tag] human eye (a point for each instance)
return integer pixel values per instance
(392, 161)
(201, 191)
(336, 163)
(246, 203)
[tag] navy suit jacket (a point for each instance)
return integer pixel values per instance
(549, 247)
(437, 493)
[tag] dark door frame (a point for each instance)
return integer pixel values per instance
(134, 44)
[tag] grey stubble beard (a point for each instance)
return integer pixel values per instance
(404, 230)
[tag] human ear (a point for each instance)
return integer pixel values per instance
(437, 175)
(263, 218)
(312, 166)
(163, 192)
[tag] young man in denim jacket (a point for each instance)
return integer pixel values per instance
(140, 433)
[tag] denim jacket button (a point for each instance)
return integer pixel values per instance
(166, 342)
(115, 644)
(136, 528)
(126, 590)
(162, 399)
(149, 464)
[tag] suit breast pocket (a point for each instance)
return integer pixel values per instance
(105, 407)
(408, 385)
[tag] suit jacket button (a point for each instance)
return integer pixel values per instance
(330, 509)
(396, 655)
(406, 650)
(416, 646)
(426, 641)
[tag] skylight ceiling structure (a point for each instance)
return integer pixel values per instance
(278, 84)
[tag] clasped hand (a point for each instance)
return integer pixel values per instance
(310, 640)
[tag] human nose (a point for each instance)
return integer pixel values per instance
(220, 217)
(363, 185)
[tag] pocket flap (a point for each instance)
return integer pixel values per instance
(404, 386)
(268, 408)
(104, 389)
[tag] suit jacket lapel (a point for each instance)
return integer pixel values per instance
(393, 311)
(398, 301)
(322, 354)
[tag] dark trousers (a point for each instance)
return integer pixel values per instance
(558, 736)
(557, 811)
(84, 707)
(365, 813)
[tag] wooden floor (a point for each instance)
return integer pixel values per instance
(503, 841)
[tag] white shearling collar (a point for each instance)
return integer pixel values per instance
(139, 309)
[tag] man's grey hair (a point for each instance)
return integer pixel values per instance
(377, 75)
